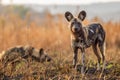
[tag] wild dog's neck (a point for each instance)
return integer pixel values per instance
(78, 35)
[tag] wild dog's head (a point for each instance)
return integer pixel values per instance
(75, 22)
(43, 56)
(38, 55)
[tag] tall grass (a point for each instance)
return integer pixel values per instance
(50, 34)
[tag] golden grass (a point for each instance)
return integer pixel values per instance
(51, 34)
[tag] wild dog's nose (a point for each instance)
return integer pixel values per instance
(76, 29)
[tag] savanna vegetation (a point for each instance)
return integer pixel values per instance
(53, 35)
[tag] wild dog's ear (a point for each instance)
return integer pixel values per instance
(68, 16)
(82, 15)
(41, 51)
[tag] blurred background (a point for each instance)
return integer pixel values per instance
(41, 23)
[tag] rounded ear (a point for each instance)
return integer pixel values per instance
(82, 15)
(68, 16)
(41, 51)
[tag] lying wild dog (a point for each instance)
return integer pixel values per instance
(23, 52)
(84, 37)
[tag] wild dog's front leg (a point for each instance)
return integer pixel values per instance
(75, 57)
(75, 52)
(83, 61)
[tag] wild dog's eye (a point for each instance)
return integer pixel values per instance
(79, 24)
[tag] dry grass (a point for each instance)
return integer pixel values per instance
(54, 36)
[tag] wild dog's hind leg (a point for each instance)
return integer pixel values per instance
(102, 50)
(75, 56)
(97, 54)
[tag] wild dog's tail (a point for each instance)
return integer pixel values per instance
(102, 32)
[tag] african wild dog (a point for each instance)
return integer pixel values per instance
(24, 52)
(84, 37)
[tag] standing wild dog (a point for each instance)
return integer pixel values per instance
(84, 37)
